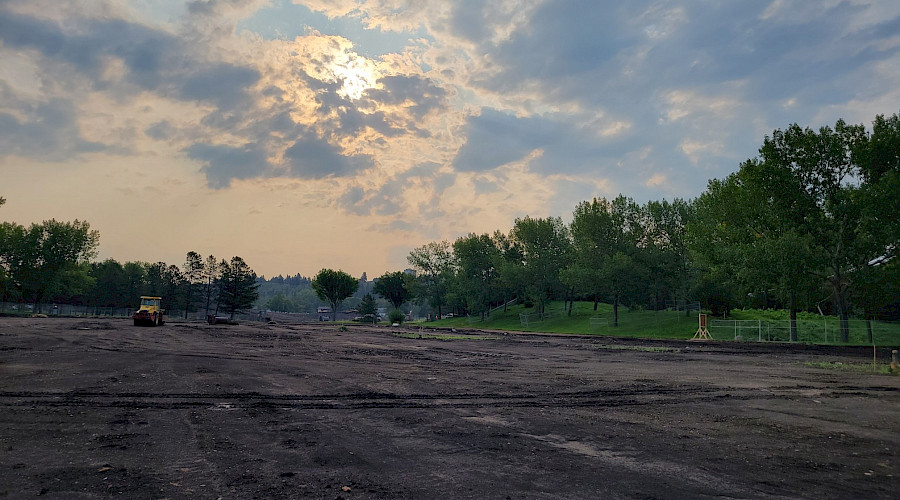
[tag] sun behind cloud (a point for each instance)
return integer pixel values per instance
(357, 73)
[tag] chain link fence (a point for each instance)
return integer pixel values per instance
(69, 310)
(824, 331)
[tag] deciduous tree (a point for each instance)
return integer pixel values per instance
(47, 258)
(393, 287)
(434, 265)
(333, 287)
(546, 250)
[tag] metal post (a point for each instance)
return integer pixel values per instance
(759, 329)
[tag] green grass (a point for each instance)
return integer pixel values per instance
(632, 323)
(769, 324)
(817, 329)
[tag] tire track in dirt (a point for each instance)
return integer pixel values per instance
(603, 398)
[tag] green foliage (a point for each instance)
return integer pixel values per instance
(476, 273)
(368, 307)
(193, 279)
(237, 285)
(395, 316)
(714, 295)
(333, 287)
(209, 290)
(545, 249)
(806, 213)
(394, 287)
(48, 259)
(168, 282)
(434, 265)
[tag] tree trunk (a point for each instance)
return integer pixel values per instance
(616, 311)
(596, 300)
(845, 326)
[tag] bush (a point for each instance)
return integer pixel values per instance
(395, 316)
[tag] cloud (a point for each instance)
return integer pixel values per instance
(314, 158)
(415, 93)
(385, 200)
(589, 95)
(222, 164)
(46, 131)
(223, 84)
(495, 138)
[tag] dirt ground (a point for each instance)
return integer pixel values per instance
(100, 408)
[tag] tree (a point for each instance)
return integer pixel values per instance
(879, 162)
(621, 276)
(393, 287)
(665, 251)
(211, 271)
(810, 209)
(193, 277)
(333, 287)
(596, 235)
(136, 282)
(367, 307)
(47, 258)
(509, 265)
(434, 265)
(237, 285)
(165, 281)
(546, 250)
(824, 199)
(110, 284)
(475, 257)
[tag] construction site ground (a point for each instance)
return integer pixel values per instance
(100, 408)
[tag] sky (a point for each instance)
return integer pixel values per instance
(310, 134)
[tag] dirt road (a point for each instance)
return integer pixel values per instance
(96, 409)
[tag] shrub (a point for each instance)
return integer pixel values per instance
(395, 316)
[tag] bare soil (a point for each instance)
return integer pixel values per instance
(101, 408)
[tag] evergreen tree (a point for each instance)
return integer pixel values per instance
(237, 286)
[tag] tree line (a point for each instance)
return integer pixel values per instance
(810, 224)
(50, 262)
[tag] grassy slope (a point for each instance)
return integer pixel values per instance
(770, 325)
(645, 324)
